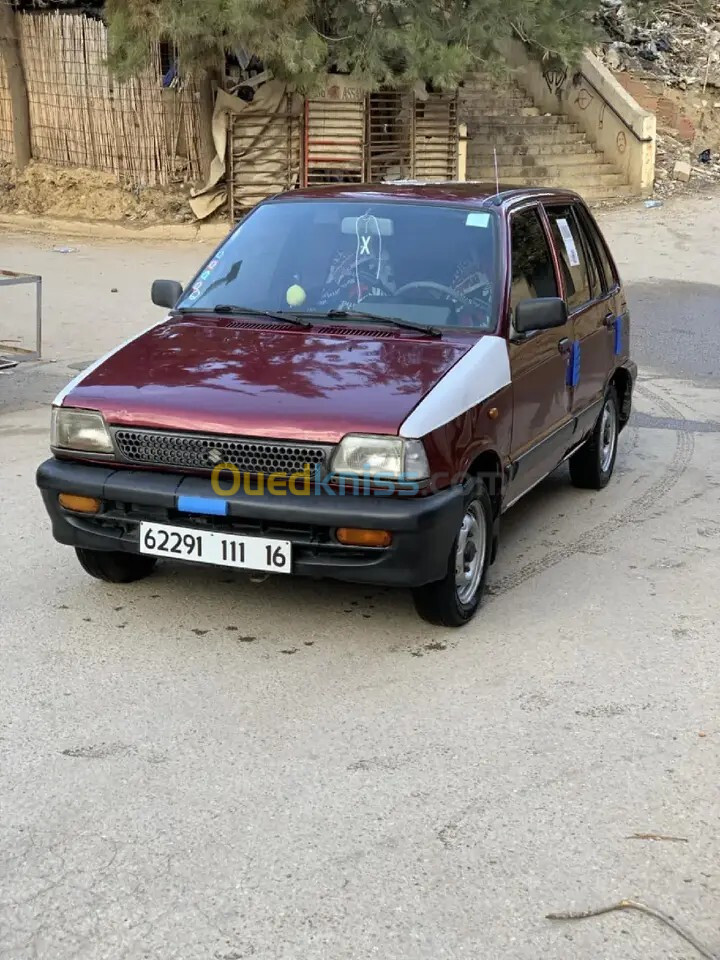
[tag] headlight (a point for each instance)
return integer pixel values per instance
(84, 431)
(392, 457)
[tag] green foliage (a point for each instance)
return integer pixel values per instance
(380, 42)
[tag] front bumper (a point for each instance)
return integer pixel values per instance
(423, 528)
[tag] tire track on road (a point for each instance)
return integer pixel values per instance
(631, 513)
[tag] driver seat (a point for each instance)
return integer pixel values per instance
(347, 257)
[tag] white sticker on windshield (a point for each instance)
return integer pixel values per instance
(477, 220)
(569, 242)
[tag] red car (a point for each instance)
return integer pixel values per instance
(356, 385)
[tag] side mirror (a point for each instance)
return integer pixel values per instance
(542, 313)
(166, 293)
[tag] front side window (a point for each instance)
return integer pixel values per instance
(533, 273)
(423, 262)
(573, 260)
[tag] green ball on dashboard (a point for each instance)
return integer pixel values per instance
(295, 295)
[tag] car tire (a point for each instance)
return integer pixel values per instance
(593, 464)
(115, 567)
(454, 600)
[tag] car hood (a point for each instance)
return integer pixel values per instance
(221, 376)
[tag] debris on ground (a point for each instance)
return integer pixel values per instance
(656, 836)
(76, 193)
(667, 56)
(676, 41)
(643, 908)
(669, 153)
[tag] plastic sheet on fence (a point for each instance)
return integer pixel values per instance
(257, 160)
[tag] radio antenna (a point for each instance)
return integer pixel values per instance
(497, 179)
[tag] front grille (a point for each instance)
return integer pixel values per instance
(204, 452)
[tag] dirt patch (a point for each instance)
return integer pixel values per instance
(667, 56)
(688, 128)
(80, 194)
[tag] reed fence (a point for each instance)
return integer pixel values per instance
(144, 133)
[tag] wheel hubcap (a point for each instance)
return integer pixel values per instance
(608, 435)
(470, 553)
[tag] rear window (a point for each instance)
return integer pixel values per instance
(608, 278)
(432, 263)
(570, 245)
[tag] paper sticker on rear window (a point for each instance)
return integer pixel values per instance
(477, 220)
(569, 241)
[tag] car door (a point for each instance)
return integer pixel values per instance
(606, 344)
(590, 307)
(542, 424)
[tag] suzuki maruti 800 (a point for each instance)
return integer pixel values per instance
(356, 385)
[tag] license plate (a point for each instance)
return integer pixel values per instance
(220, 549)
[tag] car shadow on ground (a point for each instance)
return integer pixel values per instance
(217, 601)
(309, 605)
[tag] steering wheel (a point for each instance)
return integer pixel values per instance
(439, 288)
(373, 282)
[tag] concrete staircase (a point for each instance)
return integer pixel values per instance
(532, 149)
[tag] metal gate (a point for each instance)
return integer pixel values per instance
(335, 135)
(436, 138)
(390, 141)
(264, 156)
(388, 135)
(343, 137)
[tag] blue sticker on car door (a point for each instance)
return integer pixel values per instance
(573, 367)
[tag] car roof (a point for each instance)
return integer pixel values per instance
(467, 193)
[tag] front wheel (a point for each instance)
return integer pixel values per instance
(454, 600)
(593, 464)
(115, 567)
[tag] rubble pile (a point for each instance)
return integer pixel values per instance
(674, 44)
(676, 166)
(671, 53)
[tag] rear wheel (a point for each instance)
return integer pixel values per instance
(593, 464)
(115, 567)
(454, 600)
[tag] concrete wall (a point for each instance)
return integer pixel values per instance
(590, 96)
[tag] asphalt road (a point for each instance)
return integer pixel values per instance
(201, 768)
(676, 327)
(667, 258)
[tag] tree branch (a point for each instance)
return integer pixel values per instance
(644, 908)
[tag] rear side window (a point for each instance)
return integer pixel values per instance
(533, 272)
(608, 278)
(577, 274)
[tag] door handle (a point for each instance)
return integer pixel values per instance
(609, 320)
(564, 346)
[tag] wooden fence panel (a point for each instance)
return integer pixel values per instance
(81, 116)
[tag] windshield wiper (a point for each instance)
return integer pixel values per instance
(233, 311)
(379, 318)
(283, 315)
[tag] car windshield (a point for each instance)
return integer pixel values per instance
(429, 264)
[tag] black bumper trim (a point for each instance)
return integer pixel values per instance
(423, 528)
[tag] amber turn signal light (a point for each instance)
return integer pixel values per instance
(71, 501)
(353, 537)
